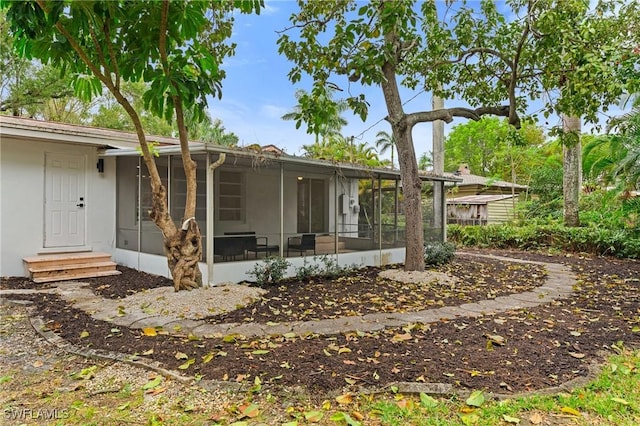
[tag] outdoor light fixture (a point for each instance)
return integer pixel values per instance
(100, 165)
(299, 177)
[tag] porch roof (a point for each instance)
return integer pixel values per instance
(252, 156)
(50, 131)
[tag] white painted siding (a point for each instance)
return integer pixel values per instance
(22, 197)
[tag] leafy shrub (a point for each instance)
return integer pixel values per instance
(327, 267)
(438, 253)
(307, 270)
(591, 239)
(270, 271)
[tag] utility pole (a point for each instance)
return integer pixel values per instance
(439, 204)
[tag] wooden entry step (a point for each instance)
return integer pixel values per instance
(69, 266)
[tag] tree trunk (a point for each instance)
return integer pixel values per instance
(411, 183)
(184, 251)
(412, 203)
(571, 162)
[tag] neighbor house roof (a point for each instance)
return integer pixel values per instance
(484, 181)
(477, 199)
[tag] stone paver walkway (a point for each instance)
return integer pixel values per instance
(559, 284)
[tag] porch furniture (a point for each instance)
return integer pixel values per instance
(302, 244)
(252, 243)
(264, 248)
(233, 244)
(229, 247)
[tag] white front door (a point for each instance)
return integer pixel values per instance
(64, 204)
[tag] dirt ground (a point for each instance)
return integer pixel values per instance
(535, 348)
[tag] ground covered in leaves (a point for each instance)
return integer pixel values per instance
(539, 347)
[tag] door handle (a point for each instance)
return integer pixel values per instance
(80, 205)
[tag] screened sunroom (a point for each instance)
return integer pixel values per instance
(259, 204)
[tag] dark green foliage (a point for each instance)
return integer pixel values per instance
(546, 181)
(439, 253)
(270, 271)
(611, 210)
(600, 241)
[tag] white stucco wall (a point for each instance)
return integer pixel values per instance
(22, 180)
(236, 272)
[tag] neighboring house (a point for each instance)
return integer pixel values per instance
(479, 200)
(70, 188)
(480, 209)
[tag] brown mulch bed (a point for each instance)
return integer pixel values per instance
(364, 292)
(545, 346)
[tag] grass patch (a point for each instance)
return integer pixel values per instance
(613, 398)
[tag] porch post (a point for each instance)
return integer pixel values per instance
(443, 210)
(210, 216)
(281, 245)
(396, 207)
(380, 216)
(139, 201)
(335, 213)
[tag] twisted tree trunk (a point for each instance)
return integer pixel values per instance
(184, 251)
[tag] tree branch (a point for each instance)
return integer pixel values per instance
(513, 82)
(162, 41)
(447, 114)
(112, 55)
(188, 164)
(470, 52)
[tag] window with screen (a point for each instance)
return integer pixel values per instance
(230, 196)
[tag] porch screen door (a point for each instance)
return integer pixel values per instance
(312, 210)
(64, 206)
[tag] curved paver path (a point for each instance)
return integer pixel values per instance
(559, 284)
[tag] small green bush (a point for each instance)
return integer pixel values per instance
(270, 271)
(327, 267)
(307, 270)
(439, 253)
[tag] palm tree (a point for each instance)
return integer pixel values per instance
(425, 162)
(384, 142)
(334, 122)
(628, 127)
(615, 157)
(340, 149)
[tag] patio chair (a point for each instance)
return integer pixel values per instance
(302, 244)
(263, 247)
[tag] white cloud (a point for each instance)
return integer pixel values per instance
(274, 112)
(269, 8)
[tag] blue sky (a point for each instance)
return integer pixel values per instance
(257, 92)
